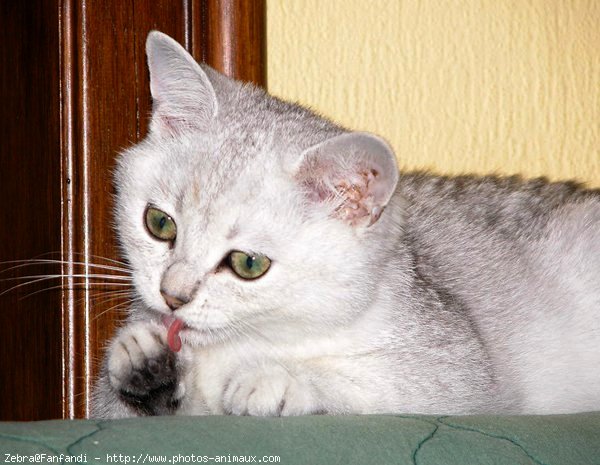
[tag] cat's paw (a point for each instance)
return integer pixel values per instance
(143, 371)
(268, 391)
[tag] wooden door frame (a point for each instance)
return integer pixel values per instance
(99, 103)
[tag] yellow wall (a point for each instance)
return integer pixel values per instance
(485, 86)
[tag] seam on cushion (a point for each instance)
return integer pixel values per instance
(491, 435)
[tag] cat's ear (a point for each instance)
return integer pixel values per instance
(355, 173)
(182, 96)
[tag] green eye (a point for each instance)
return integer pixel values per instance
(160, 225)
(248, 266)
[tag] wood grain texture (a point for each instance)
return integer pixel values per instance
(75, 89)
(235, 38)
(104, 119)
(30, 328)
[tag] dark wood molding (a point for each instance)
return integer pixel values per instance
(30, 323)
(85, 97)
(235, 37)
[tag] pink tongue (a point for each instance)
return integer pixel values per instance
(175, 325)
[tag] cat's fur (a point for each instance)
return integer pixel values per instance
(386, 294)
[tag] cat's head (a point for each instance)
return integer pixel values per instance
(241, 214)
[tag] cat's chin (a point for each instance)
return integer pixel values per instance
(192, 335)
(202, 337)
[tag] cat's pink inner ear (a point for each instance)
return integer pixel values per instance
(356, 174)
(358, 200)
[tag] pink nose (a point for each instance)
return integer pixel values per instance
(174, 302)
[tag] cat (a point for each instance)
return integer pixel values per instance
(284, 267)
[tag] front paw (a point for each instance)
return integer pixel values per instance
(143, 371)
(268, 391)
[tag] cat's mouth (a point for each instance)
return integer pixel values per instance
(174, 326)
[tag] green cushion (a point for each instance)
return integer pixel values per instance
(369, 439)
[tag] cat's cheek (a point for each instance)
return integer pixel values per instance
(147, 285)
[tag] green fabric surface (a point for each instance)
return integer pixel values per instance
(369, 439)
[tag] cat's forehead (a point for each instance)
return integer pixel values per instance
(203, 175)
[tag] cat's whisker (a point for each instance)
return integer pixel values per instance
(61, 286)
(56, 276)
(32, 262)
(39, 278)
(117, 262)
(110, 260)
(107, 297)
(236, 342)
(267, 345)
(104, 293)
(127, 303)
(26, 284)
(109, 293)
(115, 308)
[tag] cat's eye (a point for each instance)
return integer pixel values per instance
(248, 266)
(160, 225)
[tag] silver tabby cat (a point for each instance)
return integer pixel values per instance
(284, 267)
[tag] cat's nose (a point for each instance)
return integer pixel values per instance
(174, 301)
(179, 284)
